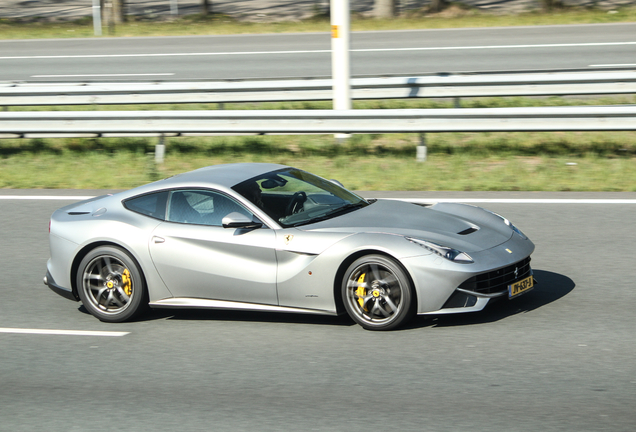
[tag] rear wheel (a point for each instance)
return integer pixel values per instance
(111, 285)
(377, 293)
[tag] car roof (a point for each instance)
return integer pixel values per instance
(222, 176)
(226, 175)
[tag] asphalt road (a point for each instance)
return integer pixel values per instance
(560, 358)
(309, 55)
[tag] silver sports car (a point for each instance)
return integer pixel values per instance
(270, 237)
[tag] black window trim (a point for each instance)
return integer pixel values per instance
(186, 188)
(124, 201)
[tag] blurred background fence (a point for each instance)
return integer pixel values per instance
(271, 10)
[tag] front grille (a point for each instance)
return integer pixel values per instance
(497, 281)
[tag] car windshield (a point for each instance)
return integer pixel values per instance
(294, 197)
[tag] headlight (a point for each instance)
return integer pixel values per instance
(507, 222)
(443, 251)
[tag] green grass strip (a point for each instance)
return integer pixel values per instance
(453, 17)
(570, 161)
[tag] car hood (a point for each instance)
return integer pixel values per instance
(467, 228)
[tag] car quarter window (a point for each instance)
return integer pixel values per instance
(153, 205)
(202, 207)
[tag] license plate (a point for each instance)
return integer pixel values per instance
(520, 287)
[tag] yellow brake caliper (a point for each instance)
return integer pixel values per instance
(126, 282)
(361, 291)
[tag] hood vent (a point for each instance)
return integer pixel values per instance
(468, 231)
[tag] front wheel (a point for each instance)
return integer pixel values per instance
(111, 285)
(377, 293)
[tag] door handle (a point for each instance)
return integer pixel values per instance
(158, 239)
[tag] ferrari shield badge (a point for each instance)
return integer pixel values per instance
(288, 238)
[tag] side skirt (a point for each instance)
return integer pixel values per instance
(185, 302)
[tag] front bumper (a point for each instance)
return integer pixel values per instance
(474, 294)
(445, 287)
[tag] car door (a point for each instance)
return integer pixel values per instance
(197, 258)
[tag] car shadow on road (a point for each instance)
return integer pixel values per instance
(236, 315)
(250, 316)
(550, 287)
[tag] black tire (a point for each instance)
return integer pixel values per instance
(110, 285)
(377, 293)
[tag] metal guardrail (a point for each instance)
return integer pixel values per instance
(243, 122)
(436, 86)
(180, 123)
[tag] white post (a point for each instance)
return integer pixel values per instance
(160, 150)
(97, 18)
(340, 57)
(174, 7)
(420, 154)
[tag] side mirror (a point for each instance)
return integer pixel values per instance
(336, 182)
(239, 220)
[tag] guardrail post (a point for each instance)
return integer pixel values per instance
(420, 156)
(458, 102)
(160, 149)
(97, 18)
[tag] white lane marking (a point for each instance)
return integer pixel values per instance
(516, 201)
(414, 200)
(614, 65)
(235, 53)
(62, 332)
(482, 47)
(44, 197)
(161, 54)
(101, 75)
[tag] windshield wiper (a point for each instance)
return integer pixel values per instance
(342, 209)
(345, 208)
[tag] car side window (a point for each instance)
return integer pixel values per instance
(202, 207)
(153, 205)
